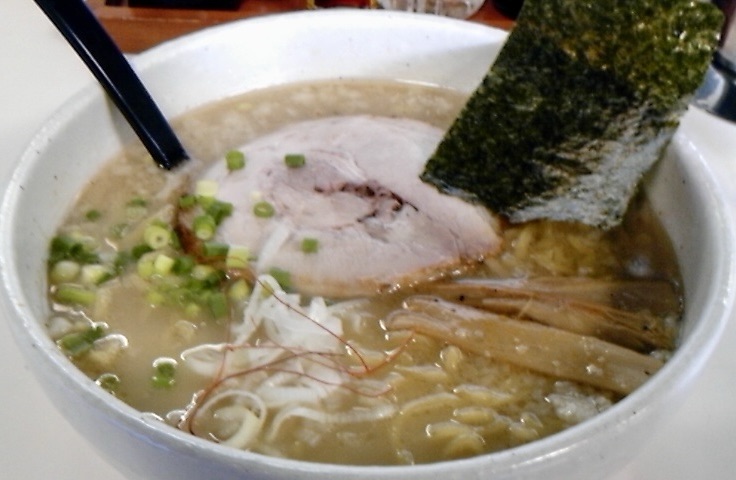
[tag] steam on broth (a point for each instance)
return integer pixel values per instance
(483, 357)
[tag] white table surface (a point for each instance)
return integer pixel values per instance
(38, 72)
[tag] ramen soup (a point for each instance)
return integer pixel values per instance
(302, 294)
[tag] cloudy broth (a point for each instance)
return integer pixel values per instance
(177, 345)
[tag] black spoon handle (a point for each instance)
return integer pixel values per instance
(99, 52)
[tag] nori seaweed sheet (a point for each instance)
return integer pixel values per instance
(579, 104)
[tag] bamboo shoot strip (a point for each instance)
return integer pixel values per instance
(657, 296)
(645, 328)
(539, 348)
(581, 101)
(639, 331)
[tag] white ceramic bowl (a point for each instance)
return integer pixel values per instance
(250, 54)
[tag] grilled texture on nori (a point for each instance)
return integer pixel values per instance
(581, 101)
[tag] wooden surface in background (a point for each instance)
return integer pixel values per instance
(138, 28)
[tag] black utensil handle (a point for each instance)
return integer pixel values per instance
(82, 30)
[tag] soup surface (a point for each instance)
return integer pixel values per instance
(548, 326)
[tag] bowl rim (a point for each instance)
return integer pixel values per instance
(688, 357)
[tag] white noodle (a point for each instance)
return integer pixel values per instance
(249, 429)
(247, 408)
(297, 355)
(356, 415)
(204, 359)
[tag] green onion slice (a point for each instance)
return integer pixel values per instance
(263, 209)
(295, 160)
(164, 373)
(71, 294)
(156, 236)
(235, 160)
(310, 245)
(77, 343)
(204, 227)
(283, 277)
(93, 215)
(206, 188)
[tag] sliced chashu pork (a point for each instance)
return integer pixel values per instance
(377, 225)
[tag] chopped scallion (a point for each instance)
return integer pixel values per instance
(76, 343)
(235, 160)
(109, 382)
(206, 188)
(263, 209)
(156, 236)
(64, 271)
(137, 202)
(163, 264)
(71, 294)
(237, 257)
(202, 272)
(183, 265)
(310, 245)
(295, 160)
(136, 208)
(139, 250)
(66, 247)
(155, 298)
(219, 210)
(239, 291)
(204, 227)
(145, 266)
(187, 201)
(283, 277)
(205, 202)
(214, 279)
(214, 249)
(192, 310)
(95, 274)
(93, 215)
(164, 373)
(217, 303)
